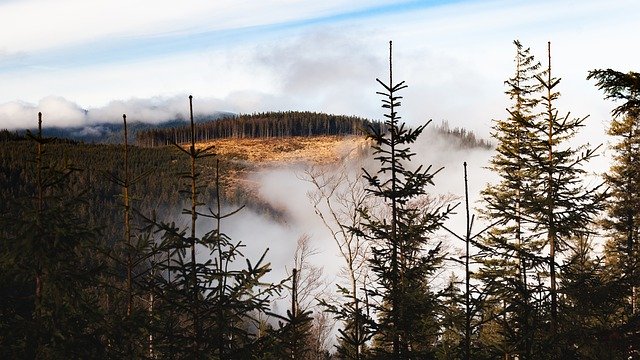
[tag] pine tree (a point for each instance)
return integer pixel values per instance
(403, 255)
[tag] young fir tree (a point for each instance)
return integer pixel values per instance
(506, 258)
(403, 256)
(561, 207)
(129, 270)
(206, 303)
(295, 327)
(48, 266)
(623, 207)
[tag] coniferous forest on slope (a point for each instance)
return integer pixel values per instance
(90, 267)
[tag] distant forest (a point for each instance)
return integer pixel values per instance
(286, 124)
(260, 125)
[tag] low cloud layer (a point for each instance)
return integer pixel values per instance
(285, 189)
(60, 112)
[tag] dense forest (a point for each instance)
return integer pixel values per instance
(262, 125)
(90, 269)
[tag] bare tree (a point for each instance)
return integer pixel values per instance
(306, 335)
(336, 196)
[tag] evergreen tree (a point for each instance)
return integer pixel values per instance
(207, 305)
(544, 204)
(403, 255)
(623, 207)
(562, 207)
(49, 307)
(296, 325)
(129, 270)
(506, 257)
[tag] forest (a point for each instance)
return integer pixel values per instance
(262, 125)
(92, 265)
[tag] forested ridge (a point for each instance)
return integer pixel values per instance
(90, 266)
(94, 162)
(260, 125)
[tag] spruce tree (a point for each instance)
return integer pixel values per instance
(544, 203)
(506, 256)
(404, 257)
(207, 304)
(48, 263)
(562, 207)
(128, 271)
(622, 222)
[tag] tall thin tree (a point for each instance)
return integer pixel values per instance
(404, 256)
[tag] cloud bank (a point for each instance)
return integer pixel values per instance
(60, 112)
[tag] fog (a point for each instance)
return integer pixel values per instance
(60, 112)
(285, 189)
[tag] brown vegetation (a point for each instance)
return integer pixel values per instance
(296, 149)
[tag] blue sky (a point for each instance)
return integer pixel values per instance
(144, 57)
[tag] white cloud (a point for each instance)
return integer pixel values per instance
(37, 24)
(55, 110)
(454, 57)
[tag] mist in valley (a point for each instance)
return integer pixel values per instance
(285, 187)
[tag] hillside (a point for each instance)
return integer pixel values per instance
(260, 125)
(260, 173)
(241, 159)
(277, 151)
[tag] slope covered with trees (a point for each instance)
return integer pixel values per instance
(262, 125)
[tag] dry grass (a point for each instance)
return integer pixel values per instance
(249, 156)
(275, 151)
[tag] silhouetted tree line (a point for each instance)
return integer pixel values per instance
(261, 125)
(6, 135)
(464, 138)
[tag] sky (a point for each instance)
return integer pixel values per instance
(145, 57)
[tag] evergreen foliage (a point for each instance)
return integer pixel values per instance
(622, 222)
(403, 257)
(507, 267)
(562, 207)
(89, 269)
(544, 205)
(128, 269)
(49, 307)
(262, 125)
(207, 305)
